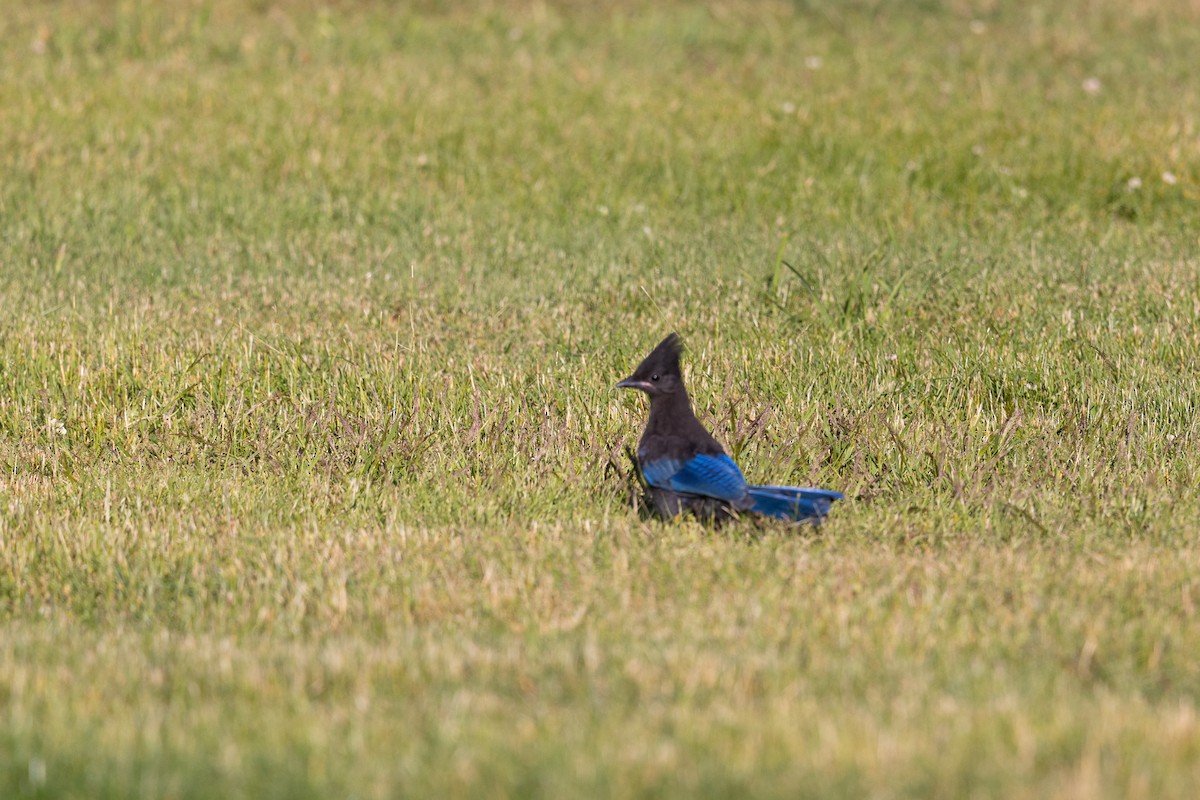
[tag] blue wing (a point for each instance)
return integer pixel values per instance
(705, 475)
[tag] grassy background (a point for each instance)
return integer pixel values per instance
(310, 322)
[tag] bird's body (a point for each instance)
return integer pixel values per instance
(686, 469)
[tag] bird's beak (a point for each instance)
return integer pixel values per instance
(630, 383)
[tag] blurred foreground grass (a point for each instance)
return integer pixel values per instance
(310, 457)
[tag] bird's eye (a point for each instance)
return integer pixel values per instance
(654, 377)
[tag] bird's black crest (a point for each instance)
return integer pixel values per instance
(665, 357)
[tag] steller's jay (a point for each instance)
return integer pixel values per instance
(688, 470)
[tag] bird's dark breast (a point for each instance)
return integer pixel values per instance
(655, 445)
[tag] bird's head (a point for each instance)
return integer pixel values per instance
(658, 375)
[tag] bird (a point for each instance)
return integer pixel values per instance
(687, 470)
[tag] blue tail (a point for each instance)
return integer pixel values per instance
(792, 503)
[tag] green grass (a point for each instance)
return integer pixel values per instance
(312, 473)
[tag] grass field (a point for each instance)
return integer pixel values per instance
(312, 473)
